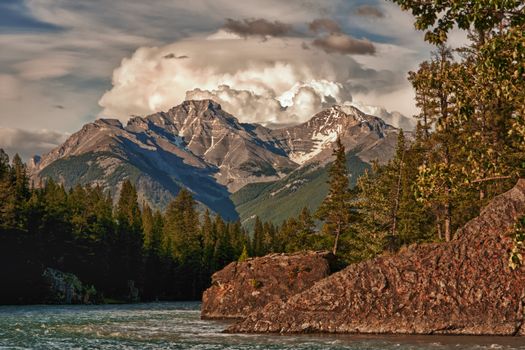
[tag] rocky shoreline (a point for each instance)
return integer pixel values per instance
(244, 287)
(463, 287)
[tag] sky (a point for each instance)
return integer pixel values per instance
(64, 63)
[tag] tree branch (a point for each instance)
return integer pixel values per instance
(492, 178)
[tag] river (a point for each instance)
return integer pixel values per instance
(178, 326)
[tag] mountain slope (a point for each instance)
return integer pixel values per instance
(279, 200)
(199, 146)
(313, 140)
(195, 145)
(365, 138)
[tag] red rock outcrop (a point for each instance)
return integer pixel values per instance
(461, 287)
(243, 287)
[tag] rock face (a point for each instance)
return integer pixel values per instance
(199, 146)
(243, 287)
(66, 288)
(460, 287)
(312, 141)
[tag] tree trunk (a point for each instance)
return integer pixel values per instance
(398, 193)
(336, 242)
(448, 219)
(438, 226)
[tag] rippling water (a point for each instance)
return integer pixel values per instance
(177, 326)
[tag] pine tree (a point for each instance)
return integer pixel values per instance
(244, 255)
(336, 208)
(15, 193)
(416, 223)
(148, 225)
(209, 238)
(129, 237)
(297, 234)
(258, 238)
(7, 200)
(440, 176)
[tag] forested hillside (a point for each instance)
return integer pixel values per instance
(167, 255)
(468, 147)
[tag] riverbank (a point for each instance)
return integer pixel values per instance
(178, 326)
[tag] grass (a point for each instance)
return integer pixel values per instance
(279, 200)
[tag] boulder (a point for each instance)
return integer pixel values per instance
(243, 287)
(66, 288)
(461, 287)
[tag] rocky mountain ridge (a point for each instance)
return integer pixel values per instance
(199, 146)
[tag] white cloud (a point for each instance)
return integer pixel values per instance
(270, 81)
(392, 118)
(28, 143)
(51, 66)
(9, 87)
(73, 66)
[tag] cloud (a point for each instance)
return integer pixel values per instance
(173, 56)
(393, 118)
(29, 143)
(9, 87)
(270, 82)
(258, 27)
(344, 44)
(324, 24)
(369, 11)
(52, 66)
(296, 105)
(242, 103)
(338, 42)
(14, 18)
(69, 51)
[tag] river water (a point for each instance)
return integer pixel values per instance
(178, 326)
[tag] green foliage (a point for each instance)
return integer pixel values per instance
(109, 247)
(468, 147)
(518, 245)
(255, 283)
(439, 17)
(307, 186)
(336, 209)
(244, 255)
(74, 170)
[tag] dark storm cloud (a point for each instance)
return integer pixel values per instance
(172, 56)
(257, 27)
(344, 44)
(369, 11)
(324, 24)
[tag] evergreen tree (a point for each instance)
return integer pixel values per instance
(7, 200)
(223, 252)
(298, 234)
(148, 225)
(244, 255)
(129, 240)
(14, 184)
(336, 208)
(258, 238)
(209, 238)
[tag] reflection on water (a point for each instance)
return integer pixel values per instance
(177, 326)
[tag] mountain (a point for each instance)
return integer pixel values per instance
(310, 144)
(312, 141)
(231, 167)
